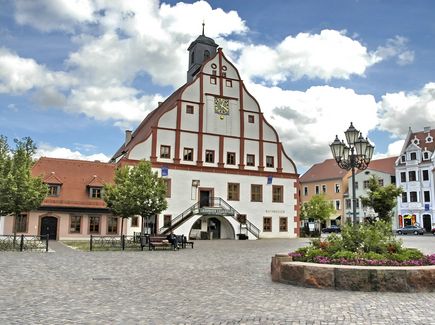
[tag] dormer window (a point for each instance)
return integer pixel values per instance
(402, 158)
(53, 190)
(413, 156)
(429, 139)
(426, 155)
(95, 192)
(416, 141)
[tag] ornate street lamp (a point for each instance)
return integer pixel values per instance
(356, 154)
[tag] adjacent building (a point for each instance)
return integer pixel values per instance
(384, 171)
(329, 179)
(74, 207)
(415, 169)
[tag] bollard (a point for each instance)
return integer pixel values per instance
(22, 243)
(123, 242)
(46, 242)
(90, 244)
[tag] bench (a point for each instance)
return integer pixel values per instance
(159, 242)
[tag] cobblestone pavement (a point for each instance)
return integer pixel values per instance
(218, 282)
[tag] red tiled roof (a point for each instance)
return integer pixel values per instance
(385, 165)
(421, 136)
(323, 171)
(52, 179)
(74, 176)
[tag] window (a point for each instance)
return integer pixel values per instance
(167, 220)
(337, 188)
(404, 197)
(188, 154)
(337, 205)
(192, 57)
(112, 225)
(402, 158)
(426, 196)
(250, 160)
(277, 193)
(213, 80)
(267, 224)
(241, 218)
(348, 204)
(231, 158)
(233, 191)
(317, 189)
(53, 190)
(425, 173)
(251, 119)
(282, 224)
(189, 109)
(256, 193)
(426, 155)
(305, 190)
(165, 151)
(167, 182)
(229, 83)
(95, 192)
(224, 74)
(75, 224)
(323, 188)
(135, 221)
(413, 156)
(356, 185)
(413, 197)
(403, 177)
(21, 223)
(94, 224)
(269, 161)
(412, 176)
(357, 203)
(381, 182)
(366, 184)
(209, 156)
(206, 54)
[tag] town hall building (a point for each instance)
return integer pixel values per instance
(226, 171)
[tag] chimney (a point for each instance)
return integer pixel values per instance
(426, 129)
(127, 137)
(159, 103)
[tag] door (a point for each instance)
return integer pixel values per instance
(204, 198)
(49, 227)
(427, 222)
(214, 228)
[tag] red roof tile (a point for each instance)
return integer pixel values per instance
(323, 171)
(74, 176)
(385, 165)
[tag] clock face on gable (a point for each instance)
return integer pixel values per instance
(221, 106)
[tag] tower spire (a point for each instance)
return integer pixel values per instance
(203, 24)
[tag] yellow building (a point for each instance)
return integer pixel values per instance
(328, 179)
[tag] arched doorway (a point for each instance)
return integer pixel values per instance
(49, 227)
(427, 222)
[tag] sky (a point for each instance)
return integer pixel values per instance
(75, 74)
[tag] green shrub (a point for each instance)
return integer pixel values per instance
(407, 254)
(374, 256)
(345, 254)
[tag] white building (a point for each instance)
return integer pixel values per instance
(225, 169)
(415, 174)
(384, 171)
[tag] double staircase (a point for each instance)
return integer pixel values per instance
(215, 206)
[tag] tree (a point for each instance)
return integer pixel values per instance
(381, 198)
(19, 190)
(317, 208)
(137, 191)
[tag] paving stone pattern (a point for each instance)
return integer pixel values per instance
(218, 282)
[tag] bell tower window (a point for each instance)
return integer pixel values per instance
(206, 54)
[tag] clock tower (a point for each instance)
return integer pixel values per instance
(200, 50)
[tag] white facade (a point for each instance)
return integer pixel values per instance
(212, 140)
(415, 174)
(361, 188)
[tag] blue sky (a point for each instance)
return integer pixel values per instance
(74, 74)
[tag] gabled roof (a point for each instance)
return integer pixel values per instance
(417, 140)
(385, 165)
(75, 177)
(52, 179)
(323, 171)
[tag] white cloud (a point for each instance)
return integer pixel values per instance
(393, 149)
(399, 111)
(49, 15)
(18, 74)
(307, 122)
(396, 47)
(45, 150)
(329, 54)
